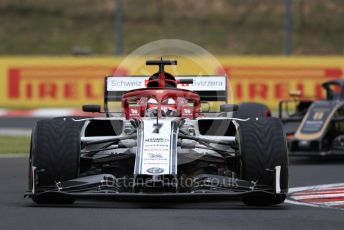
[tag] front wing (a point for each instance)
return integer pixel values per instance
(104, 187)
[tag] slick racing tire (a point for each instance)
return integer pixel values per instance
(55, 153)
(262, 147)
(252, 110)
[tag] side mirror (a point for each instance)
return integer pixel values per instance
(91, 108)
(295, 93)
(229, 108)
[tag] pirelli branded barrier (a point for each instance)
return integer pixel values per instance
(31, 82)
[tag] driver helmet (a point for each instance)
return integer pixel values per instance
(152, 108)
(152, 103)
(169, 107)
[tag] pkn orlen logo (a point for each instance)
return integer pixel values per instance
(48, 85)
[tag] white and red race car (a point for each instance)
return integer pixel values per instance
(161, 146)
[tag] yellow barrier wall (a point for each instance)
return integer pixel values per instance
(29, 82)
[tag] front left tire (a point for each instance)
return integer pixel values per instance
(262, 147)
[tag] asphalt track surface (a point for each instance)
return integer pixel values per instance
(19, 213)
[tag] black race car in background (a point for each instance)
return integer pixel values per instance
(315, 127)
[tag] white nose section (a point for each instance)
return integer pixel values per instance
(157, 147)
(277, 179)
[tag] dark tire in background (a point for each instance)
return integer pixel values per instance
(252, 110)
(262, 147)
(55, 152)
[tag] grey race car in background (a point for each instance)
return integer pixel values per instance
(316, 127)
(161, 146)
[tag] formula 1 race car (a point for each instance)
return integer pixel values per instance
(161, 146)
(315, 127)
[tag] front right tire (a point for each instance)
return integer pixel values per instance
(55, 153)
